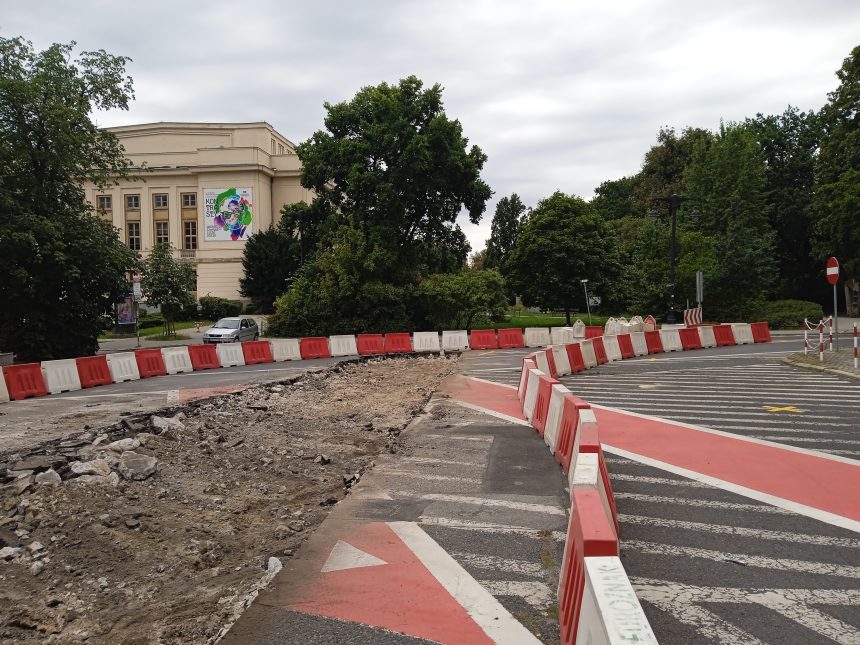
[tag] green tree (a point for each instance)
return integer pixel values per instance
(505, 229)
(167, 283)
(269, 259)
(457, 300)
(836, 230)
(562, 242)
(398, 170)
(63, 267)
(614, 199)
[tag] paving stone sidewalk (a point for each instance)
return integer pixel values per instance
(838, 362)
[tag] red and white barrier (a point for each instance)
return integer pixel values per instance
(483, 339)
(693, 317)
(285, 349)
(203, 357)
(231, 354)
(541, 361)
(314, 347)
(743, 333)
(257, 351)
(177, 360)
(579, 329)
(553, 417)
(61, 375)
(561, 335)
(588, 355)
(455, 341)
(537, 336)
(511, 338)
(24, 381)
(4, 392)
(670, 339)
(93, 371)
(640, 347)
(528, 364)
(706, 336)
(123, 367)
(426, 341)
(531, 391)
(613, 350)
(562, 363)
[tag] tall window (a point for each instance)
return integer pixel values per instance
(189, 200)
(132, 201)
(160, 200)
(161, 233)
(189, 235)
(105, 203)
(134, 236)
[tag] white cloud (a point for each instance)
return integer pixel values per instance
(558, 95)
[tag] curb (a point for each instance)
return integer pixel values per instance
(821, 368)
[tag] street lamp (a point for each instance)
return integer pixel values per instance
(674, 201)
(584, 282)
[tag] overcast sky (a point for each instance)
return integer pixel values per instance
(560, 95)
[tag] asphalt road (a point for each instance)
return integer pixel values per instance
(711, 566)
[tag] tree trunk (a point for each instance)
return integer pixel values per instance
(852, 298)
(567, 315)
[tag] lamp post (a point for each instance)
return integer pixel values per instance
(584, 282)
(674, 201)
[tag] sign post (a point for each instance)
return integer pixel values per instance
(833, 278)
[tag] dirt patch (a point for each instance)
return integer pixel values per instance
(163, 530)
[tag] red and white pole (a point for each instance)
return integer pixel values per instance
(830, 321)
(821, 341)
(855, 346)
(805, 337)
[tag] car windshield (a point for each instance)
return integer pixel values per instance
(227, 323)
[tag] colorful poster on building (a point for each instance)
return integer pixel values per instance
(228, 213)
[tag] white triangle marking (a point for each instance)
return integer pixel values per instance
(345, 556)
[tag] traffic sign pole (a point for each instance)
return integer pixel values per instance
(832, 273)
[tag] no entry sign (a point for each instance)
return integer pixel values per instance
(832, 270)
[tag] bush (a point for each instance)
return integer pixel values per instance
(188, 313)
(788, 314)
(213, 308)
(150, 320)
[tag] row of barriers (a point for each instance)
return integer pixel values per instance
(53, 377)
(596, 601)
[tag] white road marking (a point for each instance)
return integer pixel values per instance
(492, 413)
(345, 556)
(495, 563)
(677, 417)
(778, 502)
(414, 474)
(173, 397)
(485, 610)
(442, 462)
(475, 378)
(706, 503)
(736, 437)
(484, 501)
(742, 531)
(536, 594)
(489, 527)
(455, 437)
(850, 442)
(665, 481)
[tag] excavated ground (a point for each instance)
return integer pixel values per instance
(163, 528)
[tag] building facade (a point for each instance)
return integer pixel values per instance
(204, 188)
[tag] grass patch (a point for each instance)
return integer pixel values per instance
(548, 320)
(552, 611)
(151, 333)
(168, 337)
(547, 559)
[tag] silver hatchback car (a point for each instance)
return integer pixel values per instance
(232, 330)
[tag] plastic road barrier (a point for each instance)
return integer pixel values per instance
(123, 367)
(575, 358)
(724, 335)
(589, 534)
(550, 361)
(398, 344)
(593, 331)
(670, 340)
(370, 344)
(541, 408)
(230, 354)
(609, 610)
(613, 349)
(61, 376)
(93, 371)
(541, 361)
(589, 444)
(511, 338)
(690, 338)
(654, 342)
(528, 364)
(743, 333)
(599, 350)
(588, 353)
(150, 362)
(314, 347)
(570, 409)
(177, 360)
(4, 393)
(612, 327)
(561, 335)
(553, 416)
(455, 341)
(537, 336)
(640, 346)
(426, 341)
(24, 381)
(562, 363)
(649, 324)
(760, 332)
(283, 349)
(483, 339)
(706, 336)
(625, 346)
(530, 395)
(204, 357)
(579, 329)
(343, 346)
(257, 351)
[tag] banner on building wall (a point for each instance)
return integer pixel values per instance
(228, 213)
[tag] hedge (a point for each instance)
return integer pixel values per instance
(788, 314)
(213, 308)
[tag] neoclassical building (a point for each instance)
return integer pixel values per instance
(204, 188)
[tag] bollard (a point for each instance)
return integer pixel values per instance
(805, 337)
(821, 341)
(855, 346)
(830, 323)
